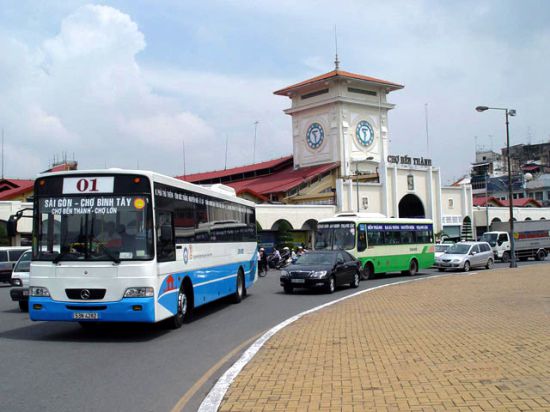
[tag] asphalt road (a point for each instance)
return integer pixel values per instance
(61, 367)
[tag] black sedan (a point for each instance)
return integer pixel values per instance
(326, 269)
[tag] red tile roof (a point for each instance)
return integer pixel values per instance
(282, 180)
(197, 177)
(522, 202)
(482, 201)
(14, 187)
(338, 73)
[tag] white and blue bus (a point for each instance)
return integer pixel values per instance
(134, 246)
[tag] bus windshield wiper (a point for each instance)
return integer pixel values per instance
(106, 252)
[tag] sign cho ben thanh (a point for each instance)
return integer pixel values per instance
(411, 161)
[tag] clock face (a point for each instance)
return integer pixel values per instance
(315, 135)
(364, 133)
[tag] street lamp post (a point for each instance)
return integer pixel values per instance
(508, 112)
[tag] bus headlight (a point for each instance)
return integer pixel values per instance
(139, 292)
(39, 291)
(319, 274)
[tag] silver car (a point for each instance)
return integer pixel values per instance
(466, 255)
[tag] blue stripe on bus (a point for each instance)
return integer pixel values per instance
(209, 283)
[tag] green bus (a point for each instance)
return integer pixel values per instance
(381, 244)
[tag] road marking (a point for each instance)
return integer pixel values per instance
(208, 374)
(215, 396)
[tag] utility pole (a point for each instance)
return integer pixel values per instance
(183, 149)
(226, 143)
(254, 150)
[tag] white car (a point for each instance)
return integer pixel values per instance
(466, 255)
(20, 281)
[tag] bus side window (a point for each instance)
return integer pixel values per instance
(361, 237)
(166, 250)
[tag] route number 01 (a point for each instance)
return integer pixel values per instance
(79, 185)
(86, 185)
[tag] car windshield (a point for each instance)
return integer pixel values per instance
(442, 248)
(24, 263)
(316, 259)
(94, 228)
(458, 249)
(490, 238)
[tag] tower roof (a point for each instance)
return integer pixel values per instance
(335, 74)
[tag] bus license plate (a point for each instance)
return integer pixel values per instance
(298, 281)
(86, 315)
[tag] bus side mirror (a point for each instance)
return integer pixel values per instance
(11, 226)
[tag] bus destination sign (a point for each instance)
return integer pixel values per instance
(78, 185)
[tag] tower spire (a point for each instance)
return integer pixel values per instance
(336, 61)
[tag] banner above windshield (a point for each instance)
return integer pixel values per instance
(98, 205)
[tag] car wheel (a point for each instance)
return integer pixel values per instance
(505, 257)
(540, 256)
(288, 289)
(240, 290)
(466, 267)
(489, 264)
(331, 285)
(23, 306)
(355, 282)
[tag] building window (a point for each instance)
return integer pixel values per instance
(313, 94)
(361, 91)
(451, 203)
(538, 195)
(365, 201)
(410, 182)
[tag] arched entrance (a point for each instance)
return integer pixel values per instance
(411, 206)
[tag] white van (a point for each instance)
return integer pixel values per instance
(8, 256)
(20, 281)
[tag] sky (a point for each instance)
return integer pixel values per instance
(138, 83)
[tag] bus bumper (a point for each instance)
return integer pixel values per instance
(125, 310)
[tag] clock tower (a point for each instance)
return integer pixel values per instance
(339, 117)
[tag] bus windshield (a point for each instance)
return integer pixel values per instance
(335, 236)
(94, 228)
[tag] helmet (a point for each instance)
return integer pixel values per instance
(262, 249)
(285, 248)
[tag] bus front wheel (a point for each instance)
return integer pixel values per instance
(183, 309)
(240, 291)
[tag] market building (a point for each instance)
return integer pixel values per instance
(342, 161)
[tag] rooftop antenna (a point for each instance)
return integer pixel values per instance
(427, 134)
(336, 61)
(254, 150)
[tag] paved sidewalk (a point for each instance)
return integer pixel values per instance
(479, 343)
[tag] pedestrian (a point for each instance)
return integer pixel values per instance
(263, 262)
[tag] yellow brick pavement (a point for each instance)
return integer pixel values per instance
(474, 343)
